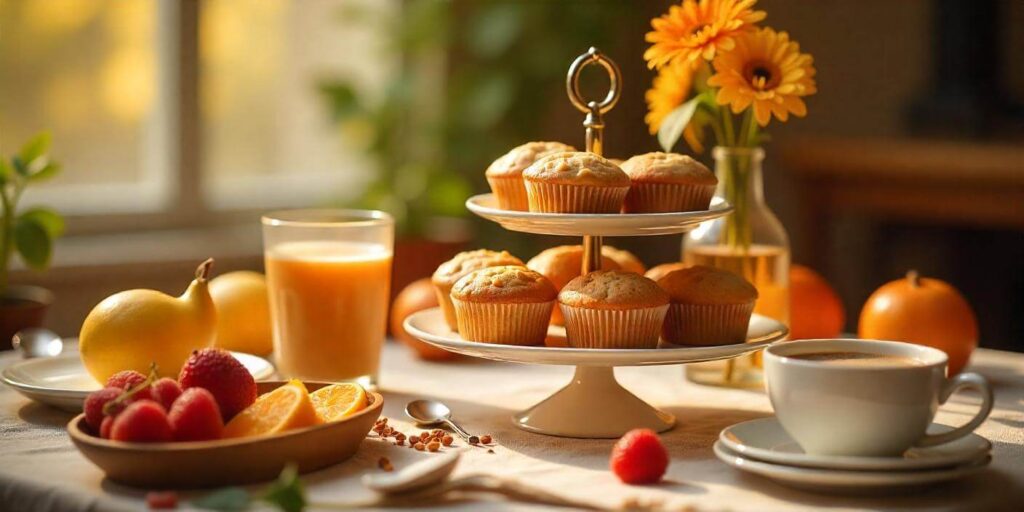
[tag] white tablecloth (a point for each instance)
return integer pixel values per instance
(41, 471)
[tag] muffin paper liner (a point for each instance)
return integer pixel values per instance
(558, 198)
(507, 324)
(667, 197)
(511, 193)
(444, 299)
(707, 324)
(610, 328)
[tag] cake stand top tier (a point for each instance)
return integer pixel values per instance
(594, 224)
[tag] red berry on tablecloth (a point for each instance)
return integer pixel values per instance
(161, 500)
(144, 421)
(222, 375)
(165, 391)
(195, 416)
(639, 457)
(94, 403)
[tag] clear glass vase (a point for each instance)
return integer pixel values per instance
(750, 242)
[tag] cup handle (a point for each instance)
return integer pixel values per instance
(962, 381)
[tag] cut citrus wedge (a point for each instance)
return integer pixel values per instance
(285, 408)
(338, 401)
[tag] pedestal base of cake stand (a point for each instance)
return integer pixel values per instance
(593, 406)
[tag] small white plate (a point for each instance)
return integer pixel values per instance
(765, 440)
(64, 383)
(429, 326)
(596, 224)
(846, 482)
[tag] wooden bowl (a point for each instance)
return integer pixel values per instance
(219, 463)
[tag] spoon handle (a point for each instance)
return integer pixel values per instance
(518, 491)
(458, 430)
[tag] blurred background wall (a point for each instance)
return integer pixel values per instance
(179, 122)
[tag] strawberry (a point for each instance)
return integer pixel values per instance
(108, 423)
(94, 403)
(144, 421)
(222, 375)
(165, 391)
(638, 457)
(126, 379)
(195, 416)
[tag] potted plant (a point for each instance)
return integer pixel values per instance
(30, 233)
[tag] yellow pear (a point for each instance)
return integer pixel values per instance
(132, 329)
(243, 312)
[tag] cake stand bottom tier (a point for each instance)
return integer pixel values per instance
(593, 406)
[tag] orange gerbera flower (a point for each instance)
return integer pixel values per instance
(767, 70)
(698, 29)
(670, 89)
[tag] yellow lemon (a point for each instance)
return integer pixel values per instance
(243, 312)
(285, 408)
(338, 401)
(132, 329)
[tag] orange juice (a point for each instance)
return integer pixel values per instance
(329, 306)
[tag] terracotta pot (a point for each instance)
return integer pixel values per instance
(22, 306)
(416, 258)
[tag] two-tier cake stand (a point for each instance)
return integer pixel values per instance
(593, 404)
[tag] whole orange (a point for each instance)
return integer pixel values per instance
(924, 311)
(419, 295)
(815, 308)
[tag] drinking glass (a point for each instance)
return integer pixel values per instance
(328, 280)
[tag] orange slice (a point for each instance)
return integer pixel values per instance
(285, 408)
(338, 401)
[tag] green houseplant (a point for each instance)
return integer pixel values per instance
(30, 233)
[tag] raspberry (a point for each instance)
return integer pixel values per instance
(144, 421)
(108, 423)
(195, 416)
(159, 500)
(125, 379)
(94, 405)
(639, 457)
(128, 379)
(222, 375)
(165, 391)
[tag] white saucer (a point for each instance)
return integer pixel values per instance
(765, 440)
(597, 224)
(63, 382)
(846, 482)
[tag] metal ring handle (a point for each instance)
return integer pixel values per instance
(572, 81)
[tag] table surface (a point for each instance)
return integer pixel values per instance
(40, 470)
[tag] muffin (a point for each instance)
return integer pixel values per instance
(508, 305)
(451, 271)
(505, 175)
(708, 306)
(574, 182)
(659, 271)
(668, 182)
(563, 264)
(626, 260)
(613, 309)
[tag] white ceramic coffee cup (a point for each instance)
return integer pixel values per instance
(864, 410)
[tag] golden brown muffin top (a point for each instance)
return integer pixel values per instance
(577, 168)
(465, 262)
(612, 289)
(627, 261)
(701, 284)
(508, 284)
(659, 271)
(658, 167)
(519, 158)
(564, 263)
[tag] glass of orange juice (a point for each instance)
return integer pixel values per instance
(328, 278)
